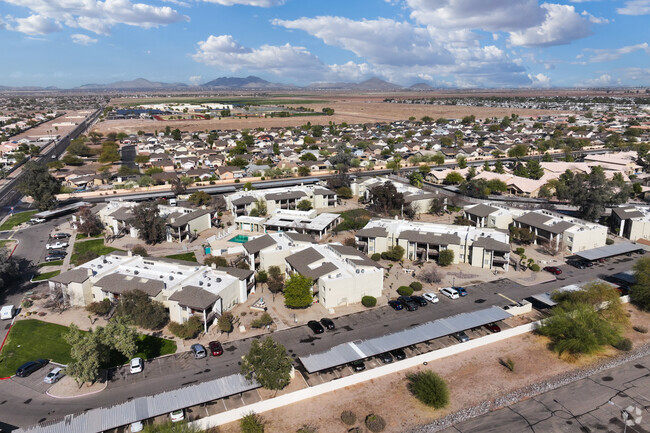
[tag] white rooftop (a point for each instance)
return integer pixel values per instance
(466, 233)
(295, 219)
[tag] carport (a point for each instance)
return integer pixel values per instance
(360, 349)
(609, 251)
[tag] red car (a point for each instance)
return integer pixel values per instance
(215, 348)
(553, 270)
(493, 327)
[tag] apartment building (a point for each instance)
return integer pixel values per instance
(307, 222)
(243, 202)
(419, 199)
(631, 222)
(271, 249)
(492, 215)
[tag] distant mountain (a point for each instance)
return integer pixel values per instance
(137, 84)
(421, 86)
(250, 82)
(371, 84)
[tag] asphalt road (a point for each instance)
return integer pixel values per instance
(582, 406)
(22, 404)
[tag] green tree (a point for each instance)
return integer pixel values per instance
(120, 336)
(224, 323)
(416, 179)
(394, 253)
(88, 355)
(297, 291)
(251, 423)
(445, 257)
(534, 169)
(429, 388)
(141, 159)
(518, 151)
(262, 277)
(110, 153)
(438, 159)
(303, 171)
(137, 307)
(498, 167)
(424, 169)
(453, 178)
(486, 166)
(308, 156)
(259, 209)
(200, 198)
(268, 363)
(462, 162)
(344, 192)
(78, 148)
(151, 226)
(55, 165)
(90, 224)
(547, 157)
(304, 205)
(640, 292)
(40, 185)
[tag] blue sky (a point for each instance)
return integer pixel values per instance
(449, 43)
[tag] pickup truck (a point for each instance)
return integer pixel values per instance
(57, 245)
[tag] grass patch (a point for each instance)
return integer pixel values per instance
(96, 245)
(188, 257)
(53, 263)
(354, 219)
(25, 343)
(46, 276)
(5, 242)
(17, 219)
(82, 236)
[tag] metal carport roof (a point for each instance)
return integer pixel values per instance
(545, 298)
(609, 251)
(352, 351)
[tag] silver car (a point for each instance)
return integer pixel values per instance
(54, 376)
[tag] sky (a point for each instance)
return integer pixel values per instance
(444, 43)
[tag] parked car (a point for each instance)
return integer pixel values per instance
(37, 220)
(137, 427)
(7, 312)
(31, 366)
(54, 376)
(54, 257)
(397, 305)
(60, 235)
(358, 365)
(398, 354)
(420, 300)
(431, 297)
(385, 357)
(177, 415)
(137, 364)
(327, 323)
(553, 270)
(56, 245)
(449, 292)
(461, 336)
(215, 348)
(461, 291)
(408, 303)
(623, 290)
(199, 351)
(315, 326)
(493, 327)
(577, 264)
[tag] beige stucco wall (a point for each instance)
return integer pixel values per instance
(576, 241)
(639, 230)
(336, 292)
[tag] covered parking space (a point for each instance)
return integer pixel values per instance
(610, 251)
(361, 349)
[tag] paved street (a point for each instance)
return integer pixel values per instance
(582, 406)
(22, 405)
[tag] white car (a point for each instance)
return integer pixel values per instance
(450, 292)
(57, 245)
(136, 365)
(54, 376)
(37, 220)
(136, 427)
(177, 415)
(431, 297)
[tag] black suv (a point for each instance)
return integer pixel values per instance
(29, 367)
(419, 300)
(327, 323)
(408, 303)
(316, 327)
(385, 357)
(358, 365)
(398, 354)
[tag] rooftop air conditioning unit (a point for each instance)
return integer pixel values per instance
(358, 271)
(218, 280)
(171, 278)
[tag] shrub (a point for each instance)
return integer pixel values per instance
(609, 241)
(355, 430)
(376, 257)
(369, 301)
(640, 329)
(624, 344)
(508, 363)
(446, 257)
(405, 290)
(416, 285)
(139, 250)
(307, 428)
(218, 261)
(252, 423)
(429, 388)
(187, 330)
(100, 308)
(431, 275)
(224, 323)
(394, 253)
(263, 321)
(348, 417)
(520, 251)
(141, 310)
(375, 423)
(535, 267)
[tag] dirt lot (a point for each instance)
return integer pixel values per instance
(349, 107)
(473, 377)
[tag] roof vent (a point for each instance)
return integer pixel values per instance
(136, 272)
(218, 280)
(209, 284)
(358, 271)
(200, 283)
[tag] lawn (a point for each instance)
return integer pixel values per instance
(354, 219)
(46, 276)
(53, 263)
(96, 246)
(189, 257)
(17, 219)
(82, 236)
(25, 343)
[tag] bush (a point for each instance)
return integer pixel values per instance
(609, 241)
(100, 308)
(187, 330)
(446, 257)
(416, 286)
(139, 250)
(431, 275)
(508, 363)
(218, 261)
(264, 320)
(252, 423)
(640, 329)
(369, 301)
(224, 323)
(429, 388)
(375, 423)
(307, 428)
(520, 251)
(355, 430)
(624, 344)
(405, 290)
(141, 310)
(376, 257)
(394, 253)
(348, 417)
(535, 267)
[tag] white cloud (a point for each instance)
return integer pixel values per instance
(195, 80)
(540, 80)
(605, 80)
(100, 16)
(81, 39)
(258, 3)
(593, 19)
(561, 26)
(608, 55)
(34, 25)
(178, 3)
(381, 41)
(635, 7)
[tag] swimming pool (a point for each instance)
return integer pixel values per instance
(240, 239)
